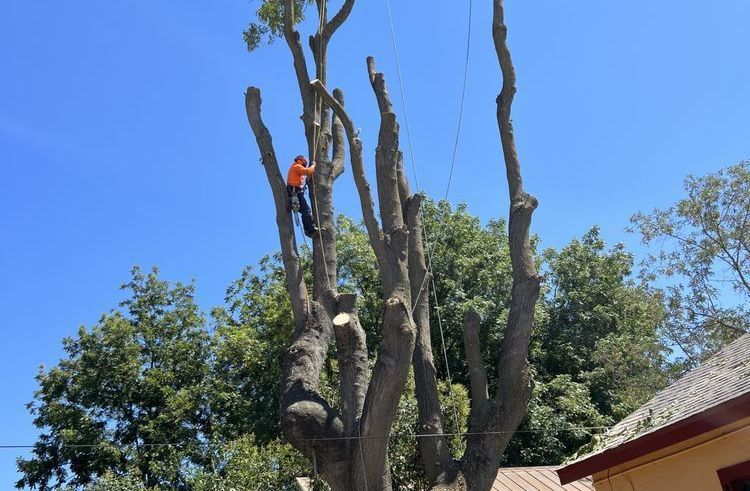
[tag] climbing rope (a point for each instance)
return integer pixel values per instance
(317, 116)
(316, 139)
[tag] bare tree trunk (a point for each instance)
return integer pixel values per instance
(497, 419)
(391, 246)
(323, 433)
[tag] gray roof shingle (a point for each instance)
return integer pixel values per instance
(722, 378)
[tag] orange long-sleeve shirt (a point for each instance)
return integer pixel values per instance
(298, 173)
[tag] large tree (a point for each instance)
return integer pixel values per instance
(701, 259)
(349, 444)
(130, 386)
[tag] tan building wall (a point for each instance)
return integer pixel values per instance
(688, 466)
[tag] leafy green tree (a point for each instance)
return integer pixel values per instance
(597, 357)
(270, 22)
(245, 464)
(135, 380)
(250, 336)
(701, 259)
(112, 482)
(471, 268)
(403, 452)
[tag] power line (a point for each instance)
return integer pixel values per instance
(429, 276)
(463, 99)
(360, 438)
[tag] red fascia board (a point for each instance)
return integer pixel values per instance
(727, 474)
(711, 419)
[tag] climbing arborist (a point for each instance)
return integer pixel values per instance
(296, 182)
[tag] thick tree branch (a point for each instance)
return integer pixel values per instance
(307, 419)
(292, 38)
(397, 345)
(477, 373)
(338, 162)
(294, 279)
(338, 19)
(374, 232)
(387, 155)
(386, 385)
(351, 349)
(378, 84)
(512, 364)
(437, 460)
(503, 414)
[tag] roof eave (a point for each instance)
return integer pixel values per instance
(711, 419)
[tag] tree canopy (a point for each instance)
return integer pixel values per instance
(700, 261)
(158, 371)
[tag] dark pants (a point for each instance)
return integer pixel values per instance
(304, 209)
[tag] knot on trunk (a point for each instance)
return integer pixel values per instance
(526, 202)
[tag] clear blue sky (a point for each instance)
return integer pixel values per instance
(123, 138)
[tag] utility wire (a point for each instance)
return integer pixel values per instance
(429, 276)
(360, 438)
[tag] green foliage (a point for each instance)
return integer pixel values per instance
(270, 22)
(546, 436)
(138, 377)
(112, 482)
(246, 465)
(471, 267)
(403, 450)
(702, 259)
(248, 345)
(597, 355)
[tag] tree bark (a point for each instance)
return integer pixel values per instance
(500, 417)
(368, 409)
(294, 280)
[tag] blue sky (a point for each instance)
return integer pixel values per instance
(123, 138)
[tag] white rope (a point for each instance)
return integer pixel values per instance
(317, 116)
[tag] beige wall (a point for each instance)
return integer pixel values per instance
(688, 466)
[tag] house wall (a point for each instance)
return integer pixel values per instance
(690, 465)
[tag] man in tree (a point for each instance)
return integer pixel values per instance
(349, 444)
(296, 182)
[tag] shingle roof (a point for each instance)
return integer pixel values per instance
(536, 479)
(722, 378)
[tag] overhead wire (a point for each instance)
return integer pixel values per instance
(353, 437)
(428, 249)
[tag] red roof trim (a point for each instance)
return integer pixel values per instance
(728, 474)
(708, 420)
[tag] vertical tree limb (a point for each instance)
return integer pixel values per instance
(477, 373)
(294, 279)
(338, 161)
(375, 234)
(437, 460)
(351, 349)
(505, 412)
(512, 380)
